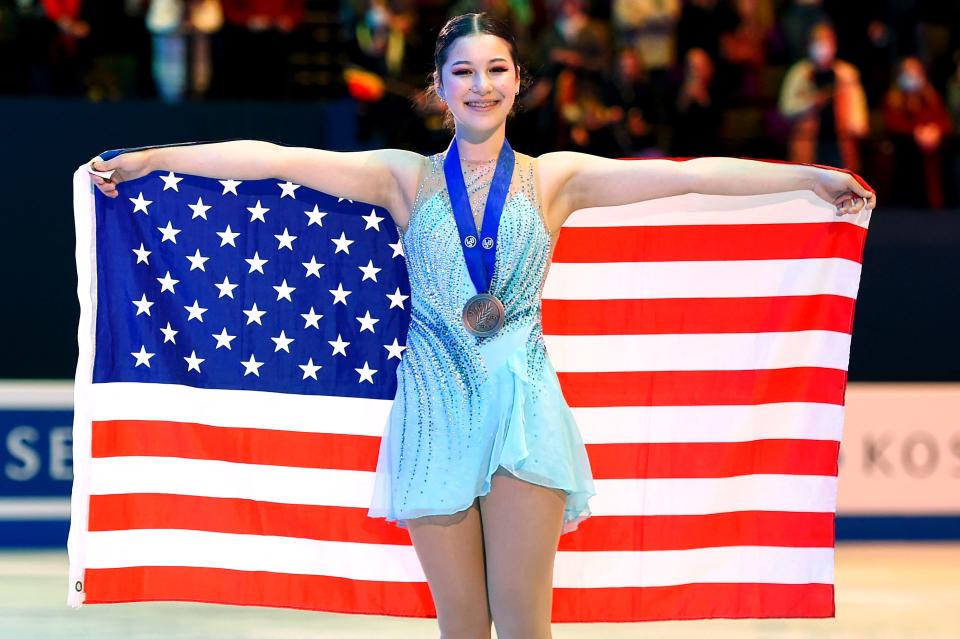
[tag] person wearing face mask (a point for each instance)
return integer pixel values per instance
(826, 105)
(916, 119)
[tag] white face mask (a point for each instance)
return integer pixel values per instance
(821, 52)
(910, 82)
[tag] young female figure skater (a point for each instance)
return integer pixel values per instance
(481, 459)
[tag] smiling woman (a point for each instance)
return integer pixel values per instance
(481, 459)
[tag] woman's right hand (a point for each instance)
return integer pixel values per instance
(126, 166)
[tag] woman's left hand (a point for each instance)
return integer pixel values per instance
(843, 191)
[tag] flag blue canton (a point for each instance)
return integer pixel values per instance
(255, 285)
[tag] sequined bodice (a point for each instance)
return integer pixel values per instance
(440, 283)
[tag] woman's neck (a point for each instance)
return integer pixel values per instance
(480, 147)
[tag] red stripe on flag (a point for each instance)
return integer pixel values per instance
(711, 242)
(714, 459)
(349, 452)
(241, 516)
(257, 588)
(412, 599)
(330, 523)
(698, 315)
(118, 438)
(684, 532)
(704, 388)
(693, 601)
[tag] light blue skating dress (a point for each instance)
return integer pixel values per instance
(466, 405)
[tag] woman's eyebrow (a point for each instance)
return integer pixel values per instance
(468, 62)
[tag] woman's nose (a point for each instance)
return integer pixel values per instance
(481, 82)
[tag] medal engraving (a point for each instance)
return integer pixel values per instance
(483, 314)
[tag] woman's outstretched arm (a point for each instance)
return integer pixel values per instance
(575, 181)
(384, 177)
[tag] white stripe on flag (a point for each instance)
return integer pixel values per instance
(679, 424)
(242, 409)
(710, 278)
(789, 207)
(392, 563)
(327, 487)
(698, 352)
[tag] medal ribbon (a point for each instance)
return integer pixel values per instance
(480, 255)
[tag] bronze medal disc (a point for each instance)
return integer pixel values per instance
(483, 314)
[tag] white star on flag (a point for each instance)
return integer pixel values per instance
(283, 291)
(285, 239)
(288, 188)
(199, 209)
(313, 267)
(369, 271)
(167, 283)
(142, 254)
(143, 357)
(193, 362)
(343, 244)
(226, 288)
(282, 342)
(396, 299)
(256, 264)
(140, 204)
(197, 261)
(310, 369)
(394, 349)
(339, 294)
(251, 366)
(143, 305)
(367, 322)
(254, 314)
(316, 216)
(229, 186)
(169, 335)
(339, 346)
(366, 373)
(170, 181)
(373, 220)
(311, 319)
(227, 237)
(223, 339)
(169, 233)
(257, 212)
(195, 311)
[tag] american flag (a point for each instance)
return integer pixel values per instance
(239, 344)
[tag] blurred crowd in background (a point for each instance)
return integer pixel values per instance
(872, 86)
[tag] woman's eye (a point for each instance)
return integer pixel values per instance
(501, 69)
(461, 72)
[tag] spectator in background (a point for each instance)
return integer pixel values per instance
(649, 27)
(696, 121)
(700, 25)
(631, 105)
(381, 30)
(743, 50)
(169, 62)
(67, 56)
(797, 20)
(571, 58)
(916, 119)
(825, 103)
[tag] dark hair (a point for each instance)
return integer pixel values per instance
(463, 25)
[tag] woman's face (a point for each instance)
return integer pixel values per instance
(479, 81)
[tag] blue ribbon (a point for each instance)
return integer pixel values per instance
(480, 255)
